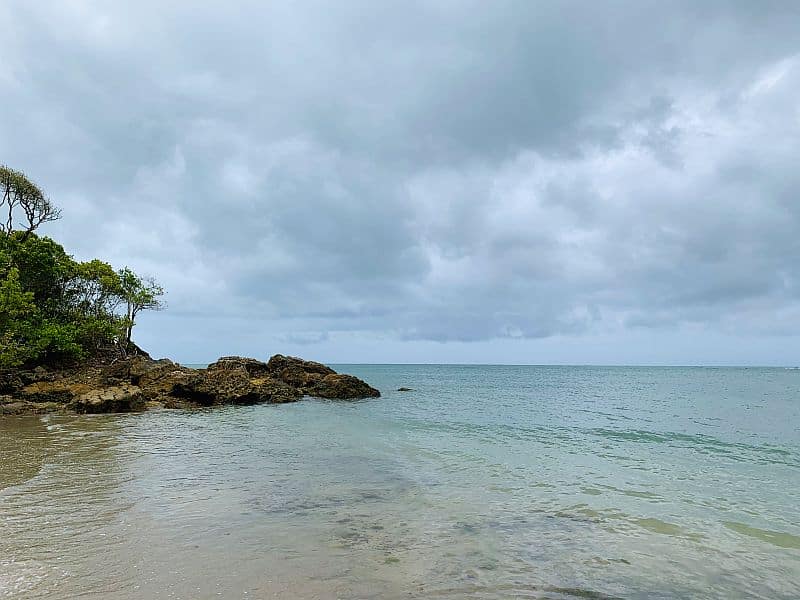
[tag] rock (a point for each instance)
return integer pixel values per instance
(295, 376)
(315, 379)
(123, 398)
(343, 387)
(253, 367)
(279, 363)
(231, 384)
(10, 406)
(277, 392)
(159, 379)
(10, 382)
(404, 389)
(227, 386)
(61, 392)
(139, 382)
(172, 403)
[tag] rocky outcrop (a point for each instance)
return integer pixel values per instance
(336, 386)
(122, 398)
(229, 383)
(318, 380)
(140, 382)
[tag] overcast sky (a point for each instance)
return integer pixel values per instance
(451, 181)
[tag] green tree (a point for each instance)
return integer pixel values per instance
(139, 294)
(17, 310)
(21, 198)
(53, 308)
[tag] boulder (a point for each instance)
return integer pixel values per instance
(280, 363)
(123, 398)
(60, 391)
(233, 385)
(11, 406)
(160, 378)
(295, 376)
(318, 380)
(11, 382)
(276, 392)
(343, 387)
(253, 367)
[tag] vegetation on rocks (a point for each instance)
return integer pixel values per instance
(54, 309)
(65, 333)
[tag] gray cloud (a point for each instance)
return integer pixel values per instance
(430, 171)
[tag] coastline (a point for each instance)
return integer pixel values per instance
(139, 383)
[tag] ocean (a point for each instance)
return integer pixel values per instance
(483, 482)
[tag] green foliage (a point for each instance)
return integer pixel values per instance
(23, 203)
(139, 294)
(43, 264)
(17, 311)
(55, 309)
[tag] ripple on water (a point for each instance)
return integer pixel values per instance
(776, 538)
(486, 483)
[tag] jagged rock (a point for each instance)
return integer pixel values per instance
(231, 384)
(123, 398)
(139, 382)
(315, 379)
(159, 379)
(10, 382)
(280, 363)
(295, 376)
(343, 387)
(218, 386)
(253, 367)
(59, 391)
(277, 392)
(11, 406)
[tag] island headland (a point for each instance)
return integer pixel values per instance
(66, 331)
(138, 382)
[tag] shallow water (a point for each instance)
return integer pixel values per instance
(484, 482)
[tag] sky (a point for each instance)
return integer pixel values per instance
(471, 181)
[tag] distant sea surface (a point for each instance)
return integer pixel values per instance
(483, 482)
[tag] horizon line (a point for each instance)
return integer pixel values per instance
(466, 364)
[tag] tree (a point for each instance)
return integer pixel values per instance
(16, 310)
(94, 288)
(139, 293)
(18, 194)
(53, 309)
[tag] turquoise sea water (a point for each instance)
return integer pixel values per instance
(483, 482)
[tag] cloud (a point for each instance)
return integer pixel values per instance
(449, 172)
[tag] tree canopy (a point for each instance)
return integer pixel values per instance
(52, 307)
(22, 199)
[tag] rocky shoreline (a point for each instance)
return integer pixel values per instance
(140, 383)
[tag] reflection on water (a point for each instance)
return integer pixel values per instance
(485, 482)
(23, 447)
